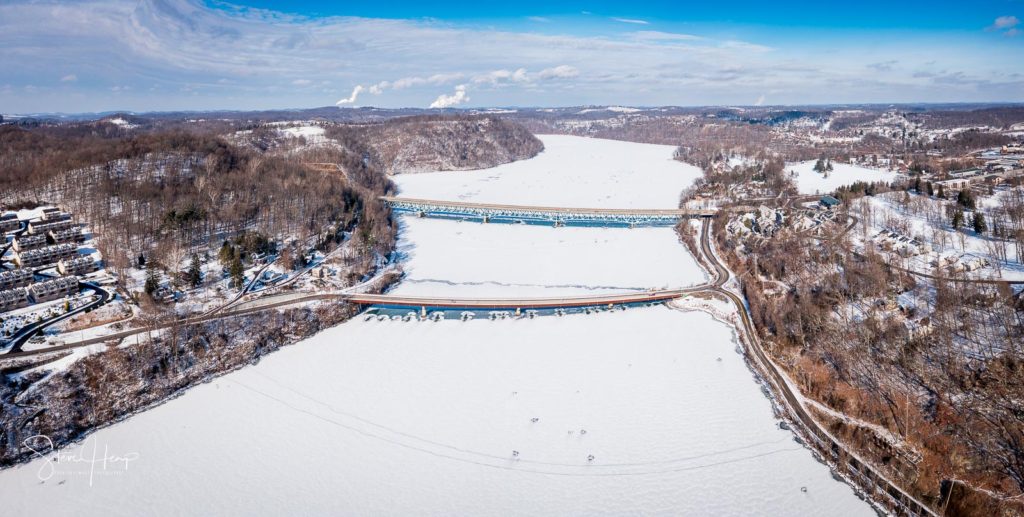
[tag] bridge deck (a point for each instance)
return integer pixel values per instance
(620, 212)
(385, 300)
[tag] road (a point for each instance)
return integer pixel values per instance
(26, 333)
(870, 479)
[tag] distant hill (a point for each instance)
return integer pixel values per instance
(439, 142)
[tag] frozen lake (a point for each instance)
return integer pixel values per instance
(648, 410)
(571, 172)
(471, 259)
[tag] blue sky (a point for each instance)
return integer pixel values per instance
(143, 55)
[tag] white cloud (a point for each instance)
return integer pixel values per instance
(70, 78)
(189, 46)
(351, 98)
(538, 19)
(745, 46)
(498, 76)
(634, 21)
(1005, 22)
(665, 36)
(302, 82)
(447, 101)
(559, 72)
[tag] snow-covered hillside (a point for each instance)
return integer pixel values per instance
(810, 182)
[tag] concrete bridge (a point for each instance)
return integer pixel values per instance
(517, 304)
(542, 215)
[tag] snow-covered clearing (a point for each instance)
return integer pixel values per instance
(572, 171)
(446, 257)
(311, 133)
(810, 182)
(399, 418)
(929, 223)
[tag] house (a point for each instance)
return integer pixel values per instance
(54, 289)
(9, 222)
(76, 266)
(12, 278)
(45, 255)
(43, 227)
(70, 235)
(52, 215)
(29, 242)
(828, 202)
(956, 184)
(13, 299)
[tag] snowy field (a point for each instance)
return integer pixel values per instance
(396, 418)
(443, 257)
(810, 182)
(572, 171)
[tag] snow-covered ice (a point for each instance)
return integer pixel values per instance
(471, 259)
(810, 182)
(572, 171)
(422, 418)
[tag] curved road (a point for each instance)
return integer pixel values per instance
(26, 333)
(867, 477)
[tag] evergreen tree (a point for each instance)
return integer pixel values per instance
(226, 254)
(195, 274)
(237, 272)
(931, 190)
(152, 281)
(965, 199)
(958, 218)
(917, 184)
(979, 223)
(942, 192)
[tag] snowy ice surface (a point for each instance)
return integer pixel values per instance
(445, 257)
(422, 418)
(437, 418)
(572, 171)
(810, 182)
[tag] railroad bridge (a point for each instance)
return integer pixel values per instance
(542, 215)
